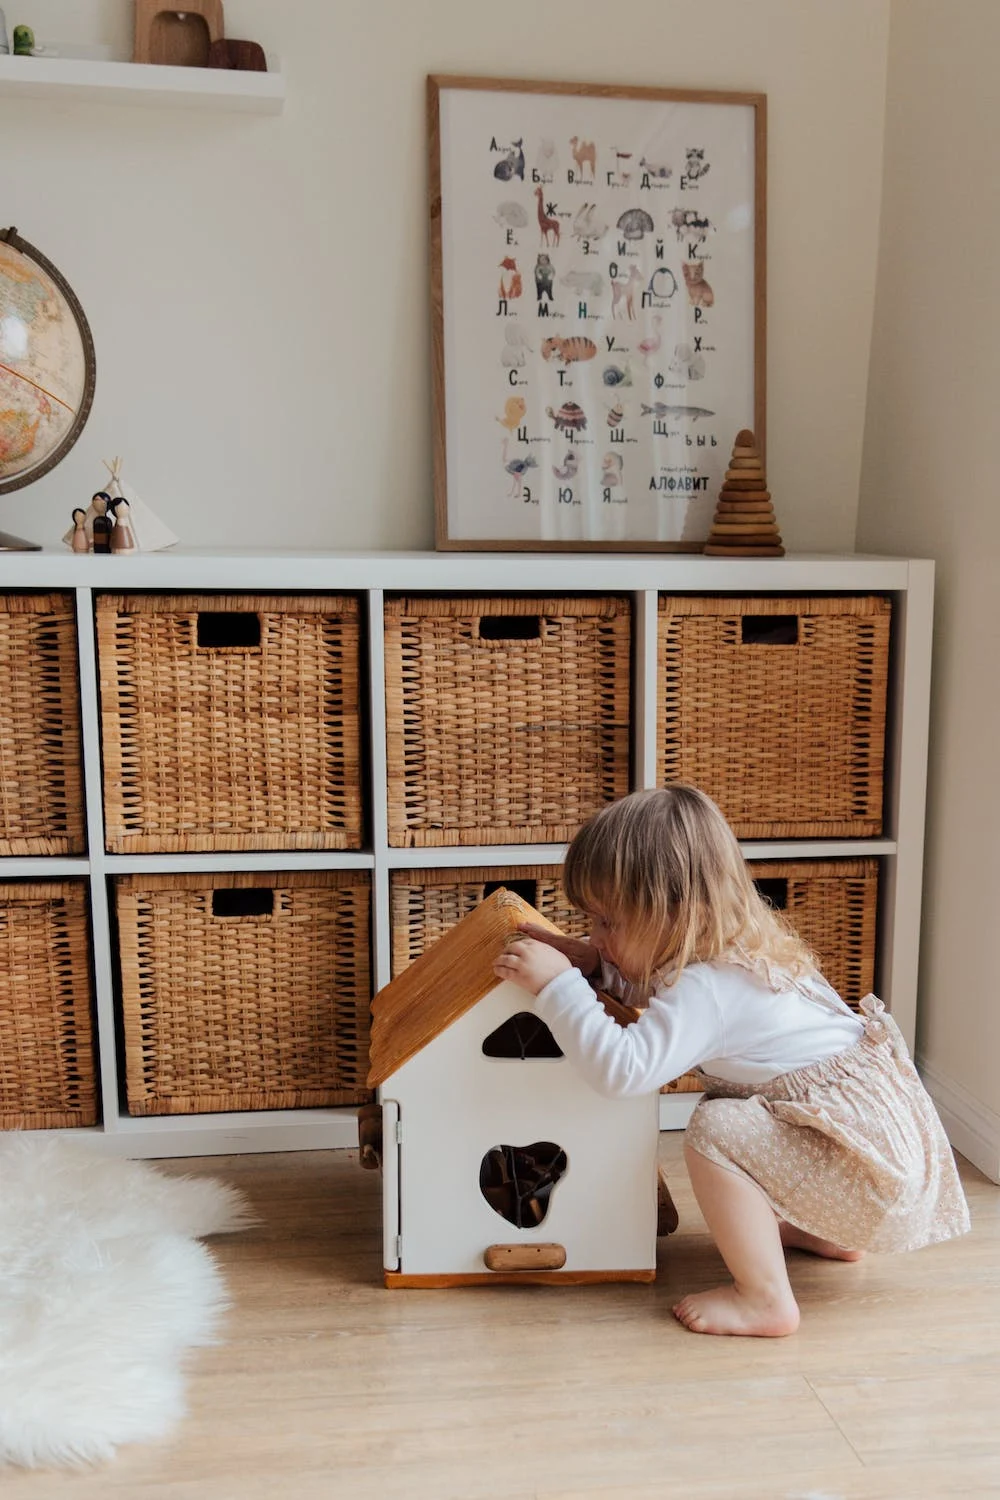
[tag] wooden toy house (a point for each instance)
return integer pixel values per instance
(500, 1163)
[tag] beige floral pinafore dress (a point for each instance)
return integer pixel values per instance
(850, 1149)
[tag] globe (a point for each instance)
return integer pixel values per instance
(47, 365)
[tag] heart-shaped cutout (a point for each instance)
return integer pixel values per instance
(517, 1181)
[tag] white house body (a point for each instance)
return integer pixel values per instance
(454, 1105)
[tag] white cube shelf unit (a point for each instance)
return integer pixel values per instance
(373, 575)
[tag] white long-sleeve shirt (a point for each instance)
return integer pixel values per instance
(718, 1016)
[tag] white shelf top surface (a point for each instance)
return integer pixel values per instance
(257, 568)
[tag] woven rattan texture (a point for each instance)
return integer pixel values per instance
(41, 805)
(47, 1060)
(233, 747)
(833, 906)
(267, 1011)
(425, 904)
(789, 739)
(504, 741)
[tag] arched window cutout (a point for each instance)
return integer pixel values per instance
(517, 1181)
(523, 1036)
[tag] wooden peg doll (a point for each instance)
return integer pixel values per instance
(80, 542)
(122, 535)
(102, 521)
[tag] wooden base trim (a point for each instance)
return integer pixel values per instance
(395, 1279)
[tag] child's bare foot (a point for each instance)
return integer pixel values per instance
(794, 1238)
(726, 1310)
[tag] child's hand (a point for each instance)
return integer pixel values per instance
(581, 953)
(530, 964)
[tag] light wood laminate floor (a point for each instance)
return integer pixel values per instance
(329, 1386)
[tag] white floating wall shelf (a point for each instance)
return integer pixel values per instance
(68, 78)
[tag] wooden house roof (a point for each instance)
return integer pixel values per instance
(443, 983)
(449, 979)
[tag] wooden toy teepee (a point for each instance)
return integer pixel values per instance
(149, 534)
(744, 524)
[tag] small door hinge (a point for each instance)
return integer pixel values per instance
(399, 1247)
(399, 1132)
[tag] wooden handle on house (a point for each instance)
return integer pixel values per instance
(370, 1137)
(525, 1257)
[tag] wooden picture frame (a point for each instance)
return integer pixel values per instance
(563, 217)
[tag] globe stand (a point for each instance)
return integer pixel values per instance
(11, 543)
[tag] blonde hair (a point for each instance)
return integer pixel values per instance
(665, 869)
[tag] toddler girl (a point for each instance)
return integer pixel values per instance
(814, 1130)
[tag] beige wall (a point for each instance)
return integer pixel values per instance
(257, 287)
(257, 291)
(930, 488)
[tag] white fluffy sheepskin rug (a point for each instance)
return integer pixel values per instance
(103, 1286)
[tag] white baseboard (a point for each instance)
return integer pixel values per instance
(971, 1128)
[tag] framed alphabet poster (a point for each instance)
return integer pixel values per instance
(598, 276)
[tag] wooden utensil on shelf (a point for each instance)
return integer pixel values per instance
(245, 57)
(177, 37)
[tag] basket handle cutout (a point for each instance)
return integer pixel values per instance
(774, 891)
(221, 630)
(242, 901)
(510, 627)
(770, 630)
(526, 889)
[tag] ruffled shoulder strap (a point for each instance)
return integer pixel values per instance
(809, 986)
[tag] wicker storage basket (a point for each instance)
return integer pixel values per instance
(426, 903)
(776, 708)
(507, 719)
(833, 906)
(47, 1066)
(230, 722)
(41, 801)
(248, 991)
